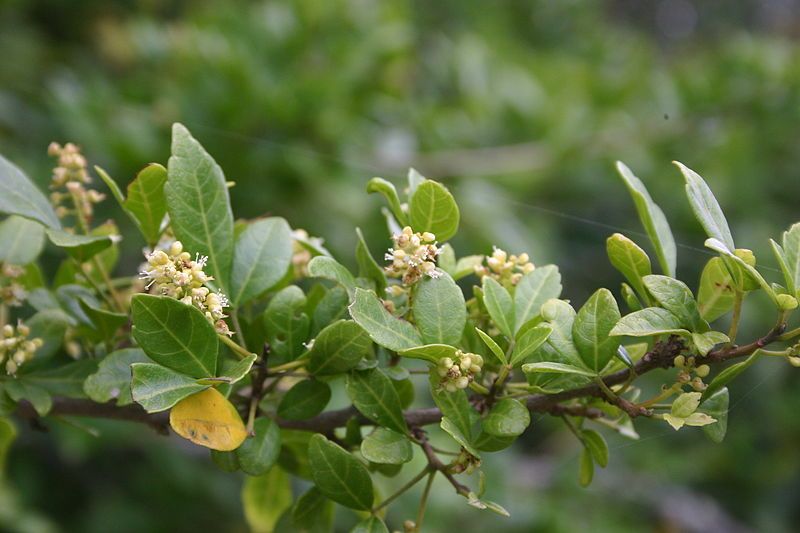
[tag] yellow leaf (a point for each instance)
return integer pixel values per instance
(207, 418)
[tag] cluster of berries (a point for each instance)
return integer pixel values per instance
(70, 173)
(175, 274)
(506, 270)
(16, 348)
(457, 372)
(413, 256)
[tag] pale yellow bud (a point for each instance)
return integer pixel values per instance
(428, 236)
(176, 248)
(462, 382)
(702, 370)
(23, 330)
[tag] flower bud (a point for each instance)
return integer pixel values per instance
(176, 248)
(746, 255)
(786, 302)
(23, 330)
(462, 382)
(702, 370)
(679, 361)
(8, 330)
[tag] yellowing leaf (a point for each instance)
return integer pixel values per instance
(208, 419)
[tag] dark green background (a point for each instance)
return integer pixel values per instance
(520, 107)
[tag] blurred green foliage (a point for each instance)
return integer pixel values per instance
(520, 106)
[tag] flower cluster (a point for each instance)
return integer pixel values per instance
(464, 463)
(11, 292)
(70, 173)
(16, 348)
(301, 255)
(413, 255)
(506, 270)
(688, 366)
(457, 372)
(174, 273)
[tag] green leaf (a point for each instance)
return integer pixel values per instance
(586, 469)
(286, 324)
(629, 259)
(373, 394)
(716, 406)
(791, 253)
(439, 310)
(157, 388)
(38, 397)
(430, 352)
(719, 247)
(716, 295)
(548, 367)
(265, 498)
(384, 446)
(530, 341)
(226, 461)
(106, 323)
(262, 256)
(705, 206)
(7, 435)
(62, 380)
(339, 475)
(648, 322)
(674, 296)
(455, 406)
(258, 453)
(383, 328)
(388, 191)
(705, 342)
(560, 316)
(373, 524)
(312, 513)
(332, 307)
(231, 372)
(493, 347)
(591, 329)
(49, 325)
(367, 266)
(146, 204)
(452, 428)
(338, 348)
(328, 268)
(507, 418)
(175, 335)
(113, 377)
(79, 247)
(533, 290)
(727, 375)
(21, 240)
(631, 300)
(306, 399)
(432, 208)
(198, 204)
(596, 444)
(499, 305)
(653, 220)
(18, 196)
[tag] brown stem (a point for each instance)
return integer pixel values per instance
(660, 356)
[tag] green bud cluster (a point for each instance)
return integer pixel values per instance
(506, 270)
(688, 366)
(459, 371)
(16, 348)
(174, 273)
(70, 173)
(11, 292)
(465, 463)
(412, 256)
